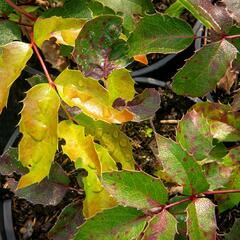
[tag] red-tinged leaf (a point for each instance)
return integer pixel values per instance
(112, 138)
(13, 58)
(119, 223)
(97, 47)
(62, 230)
(224, 123)
(160, 34)
(162, 226)
(191, 79)
(38, 124)
(144, 105)
(181, 167)
(193, 134)
(233, 6)
(135, 189)
(141, 58)
(201, 222)
(48, 192)
(89, 96)
(9, 163)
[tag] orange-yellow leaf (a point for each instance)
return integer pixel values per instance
(38, 125)
(90, 96)
(141, 58)
(81, 150)
(13, 58)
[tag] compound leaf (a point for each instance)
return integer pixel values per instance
(135, 189)
(38, 125)
(193, 133)
(160, 34)
(191, 80)
(180, 166)
(119, 223)
(201, 222)
(90, 96)
(163, 226)
(13, 58)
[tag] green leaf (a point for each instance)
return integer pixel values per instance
(62, 230)
(111, 137)
(162, 226)
(9, 31)
(6, 8)
(135, 189)
(37, 79)
(180, 166)
(129, 7)
(98, 9)
(224, 123)
(48, 192)
(9, 163)
(191, 80)
(175, 9)
(65, 30)
(232, 158)
(119, 223)
(94, 46)
(90, 96)
(201, 222)
(193, 133)
(234, 232)
(120, 84)
(13, 58)
(38, 125)
(160, 34)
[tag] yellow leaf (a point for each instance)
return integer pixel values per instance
(38, 125)
(141, 58)
(65, 30)
(90, 96)
(81, 150)
(13, 58)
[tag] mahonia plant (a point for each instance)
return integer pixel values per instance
(101, 38)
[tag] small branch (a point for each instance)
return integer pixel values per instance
(232, 36)
(20, 10)
(179, 202)
(169, 121)
(50, 81)
(221, 192)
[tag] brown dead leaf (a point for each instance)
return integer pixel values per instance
(51, 52)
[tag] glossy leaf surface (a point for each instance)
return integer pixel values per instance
(191, 80)
(16, 55)
(201, 222)
(89, 96)
(135, 189)
(97, 44)
(162, 226)
(193, 133)
(38, 125)
(118, 223)
(181, 167)
(160, 34)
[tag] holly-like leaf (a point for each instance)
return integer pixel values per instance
(160, 34)
(135, 189)
(180, 166)
(191, 80)
(48, 192)
(224, 123)
(120, 84)
(10, 32)
(95, 45)
(62, 230)
(201, 222)
(163, 226)
(65, 30)
(193, 133)
(81, 150)
(90, 96)
(9, 163)
(38, 125)
(233, 6)
(13, 58)
(111, 137)
(117, 223)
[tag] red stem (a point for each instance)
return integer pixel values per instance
(50, 81)
(232, 36)
(177, 203)
(20, 10)
(221, 192)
